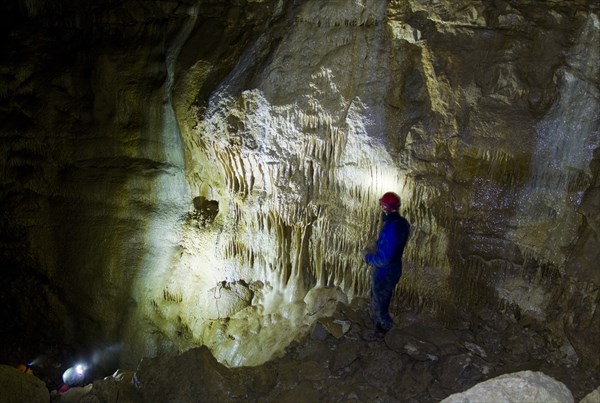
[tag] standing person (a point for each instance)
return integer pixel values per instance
(386, 260)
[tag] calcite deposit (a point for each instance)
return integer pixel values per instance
(186, 173)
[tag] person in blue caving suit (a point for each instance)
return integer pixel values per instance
(386, 260)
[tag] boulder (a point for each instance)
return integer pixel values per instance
(77, 394)
(16, 387)
(337, 328)
(115, 388)
(592, 397)
(524, 386)
(193, 376)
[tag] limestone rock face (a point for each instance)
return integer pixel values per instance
(201, 172)
(526, 386)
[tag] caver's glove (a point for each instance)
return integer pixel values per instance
(371, 248)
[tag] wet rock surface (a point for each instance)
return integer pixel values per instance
(419, 360)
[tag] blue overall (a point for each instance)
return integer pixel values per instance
(387, 267)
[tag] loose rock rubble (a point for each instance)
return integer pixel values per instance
(343, 359)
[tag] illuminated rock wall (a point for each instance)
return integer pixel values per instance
(211, 172)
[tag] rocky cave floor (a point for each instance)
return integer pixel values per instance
(419, 360)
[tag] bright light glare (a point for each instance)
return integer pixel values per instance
(387, 180)
(79, 369)
(380, 179)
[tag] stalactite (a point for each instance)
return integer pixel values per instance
(170, 296)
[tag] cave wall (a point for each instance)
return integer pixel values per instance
(208, 172)
(88, 153)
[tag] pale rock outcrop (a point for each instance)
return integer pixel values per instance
(592, 397)
(525, 386)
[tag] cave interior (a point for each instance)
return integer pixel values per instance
(188, 173)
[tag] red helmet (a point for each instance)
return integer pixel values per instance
(390, 201)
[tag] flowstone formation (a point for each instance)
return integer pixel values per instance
(207, 173)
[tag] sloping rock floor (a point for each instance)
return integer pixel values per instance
(419, 360)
